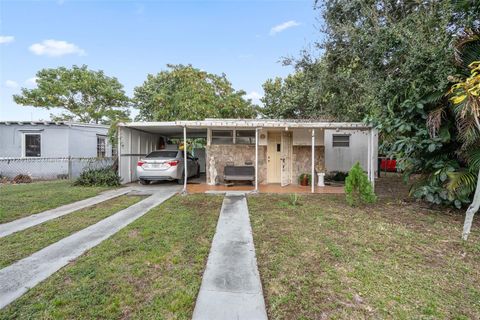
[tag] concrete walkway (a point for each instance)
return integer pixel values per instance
(17, 278)
(34, 219)
(231, 287)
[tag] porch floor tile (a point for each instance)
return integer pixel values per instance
(264, 188)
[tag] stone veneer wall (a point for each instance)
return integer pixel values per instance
(217, 156)
(302, 160)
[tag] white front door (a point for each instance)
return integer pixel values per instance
(274, 155)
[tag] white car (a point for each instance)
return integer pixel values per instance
(166, 165)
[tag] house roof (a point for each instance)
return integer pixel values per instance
(199, 128)
(54, 123)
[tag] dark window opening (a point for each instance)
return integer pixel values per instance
(33, 145)
(101, 147)
(222, 136)
(245, 137)
(163, 154)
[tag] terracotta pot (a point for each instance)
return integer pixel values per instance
(304, 181)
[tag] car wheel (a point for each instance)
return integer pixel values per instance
(180, 181)
(144, 182)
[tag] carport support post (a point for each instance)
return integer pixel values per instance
(369, 157)
(313, 161)
(185, 160)
(256, 160)
(373, 161)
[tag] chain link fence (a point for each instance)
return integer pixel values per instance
(50, 168)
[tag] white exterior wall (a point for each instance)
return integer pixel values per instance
(58, 142)
(86, 137)
(132, 146)
(343, 158)
(54, 140)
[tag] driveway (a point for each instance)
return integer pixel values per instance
(19, 277)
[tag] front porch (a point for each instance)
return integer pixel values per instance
(263, 188)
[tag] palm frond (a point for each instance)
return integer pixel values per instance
(434, 121)
(462, 182)
(467, 48)
(473, 158)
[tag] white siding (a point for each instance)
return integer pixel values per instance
(132, 146)
(343, 158)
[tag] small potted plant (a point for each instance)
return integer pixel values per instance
(304, 179)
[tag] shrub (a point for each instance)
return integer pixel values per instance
(98, 177)
(357, 187)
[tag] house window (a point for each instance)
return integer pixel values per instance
(341, 140)
(32, 145)
(222, 136)
(245, 137)
(101, 146)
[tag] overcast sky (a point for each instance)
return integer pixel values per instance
(129, 39)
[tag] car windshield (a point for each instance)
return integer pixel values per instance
(162, 154)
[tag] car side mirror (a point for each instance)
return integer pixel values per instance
(196, 158)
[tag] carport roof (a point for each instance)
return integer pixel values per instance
(198, 128)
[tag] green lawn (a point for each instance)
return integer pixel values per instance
(22, 244)
(149, 270)
(20, 200)
(323, 259)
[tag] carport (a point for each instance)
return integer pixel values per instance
(278, 150)
(137, 139)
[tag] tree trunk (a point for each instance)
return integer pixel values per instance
(474, 206)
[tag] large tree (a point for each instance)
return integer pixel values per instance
(388, 62)
(296, 96)
(187, 93)
(84, 95)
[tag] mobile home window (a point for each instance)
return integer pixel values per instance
(222, 136)
(101, 146)
(32, 145)
(341, 140)
(245, 137)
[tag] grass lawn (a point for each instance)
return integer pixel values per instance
(22, 244)
(396, 259)
(20, 200)
(149, 270)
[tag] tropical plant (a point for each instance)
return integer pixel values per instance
(294, 199)
(465, 96)
(357, 187)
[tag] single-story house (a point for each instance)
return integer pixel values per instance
(279, 150)
(40, 148)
